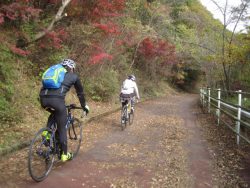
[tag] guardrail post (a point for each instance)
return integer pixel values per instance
(209, 99)
(239, 116)
(203, 93)
(218, 107)
(204, 97)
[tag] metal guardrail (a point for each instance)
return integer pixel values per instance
(213, 101)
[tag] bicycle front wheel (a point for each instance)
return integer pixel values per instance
(75, 137)
(41, 157)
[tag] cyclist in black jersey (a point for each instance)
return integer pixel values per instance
(55, 99)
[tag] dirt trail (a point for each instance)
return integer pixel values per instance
(163, 148)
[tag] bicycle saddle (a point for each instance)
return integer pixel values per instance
(49, 109)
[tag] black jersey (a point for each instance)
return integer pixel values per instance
(70, 79)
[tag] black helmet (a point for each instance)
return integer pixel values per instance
(131, 77)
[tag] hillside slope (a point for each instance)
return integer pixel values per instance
(149, 39)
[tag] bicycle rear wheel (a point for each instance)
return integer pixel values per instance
(41, 157)
(131, 117)
(75, 137)
(123, 117)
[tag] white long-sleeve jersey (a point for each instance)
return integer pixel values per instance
(129, 87)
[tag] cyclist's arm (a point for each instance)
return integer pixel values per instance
(136, 91)
(122, 86)
(80, 92)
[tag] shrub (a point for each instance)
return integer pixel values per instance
(103, 87)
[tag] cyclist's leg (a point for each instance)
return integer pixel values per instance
(133, 102)
(122, 99)
(124, 102)
(61, 120)
(45, 103)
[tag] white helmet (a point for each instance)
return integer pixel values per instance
(131, 77)
(69, 63)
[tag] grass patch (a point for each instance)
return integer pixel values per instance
(8, 112)
(150, 89)
(10, 138)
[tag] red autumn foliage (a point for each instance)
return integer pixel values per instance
(108, 28)
(127, 40)
(1, 18)
(54, 39)
(97, 47)
(120, 42)
(19, 10)
(112, 15)
(106, 7)
(97, 10)
(19, 51)
(150, 49)
(99, 58)
(23, 10)
(147, 48)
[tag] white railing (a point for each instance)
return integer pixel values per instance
(215, 101)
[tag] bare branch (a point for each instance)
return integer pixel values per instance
(59, 16)
(135, 53)
(218, 6)
(236, 24)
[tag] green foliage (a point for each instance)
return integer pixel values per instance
(29, 29)
(245, 102)
(143, 14)
(103, 87)
(57, 56)
(191, 2)
(8, 112)
(41, 60)
(149, 89)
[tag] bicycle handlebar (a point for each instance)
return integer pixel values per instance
(73, 106)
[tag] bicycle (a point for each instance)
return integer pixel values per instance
(44, 148)
(127, 114)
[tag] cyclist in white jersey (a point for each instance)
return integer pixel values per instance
(129, 89)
